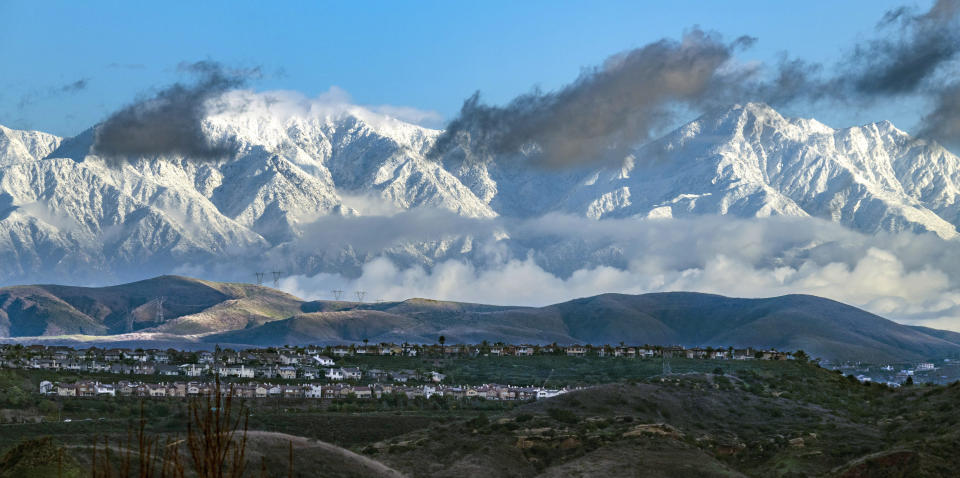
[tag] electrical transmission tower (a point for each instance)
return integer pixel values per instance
(276, 279)
(337, 294)
(360, 294)
(159, 301)
(259, 278)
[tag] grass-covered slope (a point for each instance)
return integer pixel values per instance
(822, 327)
(61, 310)
(256, 315)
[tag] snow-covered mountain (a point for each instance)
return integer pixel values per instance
(751, 161)
(67, 213)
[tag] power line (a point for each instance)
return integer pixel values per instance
(547, 379)
(337, 294)
(276, 279)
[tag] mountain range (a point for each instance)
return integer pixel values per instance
(65, 212)
(202, 313)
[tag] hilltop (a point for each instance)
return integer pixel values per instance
(195, 311)
(66, 210)
(179, 305)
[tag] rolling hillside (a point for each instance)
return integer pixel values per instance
(188, 306)
(196, 312)
(822, 327)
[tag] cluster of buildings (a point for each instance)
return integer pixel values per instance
(93, 389)
(895, 376)
(284, 364)
(292, 372)
(310, 372)
(315, 362)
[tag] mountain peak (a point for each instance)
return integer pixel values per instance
(300, 159)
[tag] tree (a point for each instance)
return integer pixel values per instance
(909, 382)
(801, 356)
(441, 340)
(215, 445)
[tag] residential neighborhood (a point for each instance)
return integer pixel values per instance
(315, 362)
(123, 388)
(314, 372)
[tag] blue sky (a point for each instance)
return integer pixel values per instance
(427, 55)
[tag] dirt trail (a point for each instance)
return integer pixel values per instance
(305, 444)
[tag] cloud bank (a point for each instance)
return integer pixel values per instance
(906, 277)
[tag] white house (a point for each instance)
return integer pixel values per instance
(334, 373)
(286, 359)
(544, 393)
(323, 360)
(312, 391)
(236, 371)
(106, 389)
(191, 370)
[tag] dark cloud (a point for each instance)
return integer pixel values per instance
(34, 96)
(171, 120)
(78, 85)
(914, 54)
(607, 109)
(909, 51)
(631, 95)
(943, 123)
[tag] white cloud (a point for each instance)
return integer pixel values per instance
(428, 118)
(287, 104)
(906, 277)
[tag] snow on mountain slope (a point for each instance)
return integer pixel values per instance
(25, 146)
(749, 161)
(66, 211)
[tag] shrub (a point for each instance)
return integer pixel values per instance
(563, 416)
(479, 421)
(524, 417)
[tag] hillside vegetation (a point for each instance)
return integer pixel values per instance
(763, 419)
(788, 420)
(193, 310)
